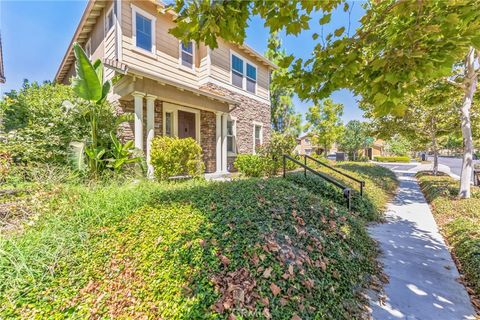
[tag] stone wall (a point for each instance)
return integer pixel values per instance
(207, 139)
(247, 111)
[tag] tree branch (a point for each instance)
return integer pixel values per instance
(455, 84)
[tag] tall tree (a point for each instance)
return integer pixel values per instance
(400, 47)
(356, 137)
(325, 123)
(284, 118)
(431, 114)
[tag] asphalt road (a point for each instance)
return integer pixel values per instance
(455, 164)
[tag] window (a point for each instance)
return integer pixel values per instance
(307, 141)
(169, 124)
(251, 78)
(109, 21)
(231, 147)
(143, 30)
(88, 48)
(257, 136)
(186, 54)
(237, 71)
(244, 74)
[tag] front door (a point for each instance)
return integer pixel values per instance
(186, 125)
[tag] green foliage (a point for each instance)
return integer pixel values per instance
(121, 154)
(403, 159)
(459, 221)
(283, 116)
(253, 165)
(173, 250)
(398, 145)
(37, 125)
(174, 156)
(356, 136)
(278, 145)
(324, 123)
(6, 162)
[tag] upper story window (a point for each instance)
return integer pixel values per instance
(143, 29)
(109, 21)
(88, 48)
(187, 54)
(244, 74)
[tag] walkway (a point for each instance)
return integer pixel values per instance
(422, 275)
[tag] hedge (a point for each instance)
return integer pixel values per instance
(459, 222)
(403, 159)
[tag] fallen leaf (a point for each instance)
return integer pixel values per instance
(290, 269)
(295, 317)
(283, 302)
(267, 273)
(225, 260)
(275, 289)
(266, 313)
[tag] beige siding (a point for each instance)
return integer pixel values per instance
(109, 43)
(220, 69)
(165, 62)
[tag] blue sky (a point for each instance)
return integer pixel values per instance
(36, 34)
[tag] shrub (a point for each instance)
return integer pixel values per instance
(175, 156)
(278, 145)
(253, 165)
(5, 165)
(403, 159)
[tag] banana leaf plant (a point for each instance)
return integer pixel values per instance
(89, 85)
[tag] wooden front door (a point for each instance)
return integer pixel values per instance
(186, 125)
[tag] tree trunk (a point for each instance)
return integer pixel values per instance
(435, 154)
(470, 85)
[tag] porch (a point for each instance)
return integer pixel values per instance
(162, 109)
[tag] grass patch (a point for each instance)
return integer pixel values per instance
(459, 220)
(253, 248)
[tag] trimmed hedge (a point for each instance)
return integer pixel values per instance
(459, 221)
(403, 159)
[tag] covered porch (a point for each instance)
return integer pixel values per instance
(162, 108)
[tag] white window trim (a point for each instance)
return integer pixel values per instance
(234, 129)
(88, 45)
(257, 124)
(244, 78)
(106, 20)
(174, 108)
(136, 10)
(194, 52)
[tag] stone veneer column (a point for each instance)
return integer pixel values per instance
(138, 133)
(218, 140)
(150, 130)
(224, 142)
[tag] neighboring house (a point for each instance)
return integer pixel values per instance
(306, 146)
(220, 97)
(377, 149)
(2, 72)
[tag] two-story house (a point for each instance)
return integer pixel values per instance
(220, 97)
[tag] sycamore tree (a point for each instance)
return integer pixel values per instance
(324, 123)
(432, 113)
(284, 118)
(399, 48)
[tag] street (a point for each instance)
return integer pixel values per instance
(455, 164)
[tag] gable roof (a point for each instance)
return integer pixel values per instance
(89, 19)
(2, 72)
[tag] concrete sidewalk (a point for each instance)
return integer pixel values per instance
(422, 275)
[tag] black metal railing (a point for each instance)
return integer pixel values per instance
(347, 192)
(360, 182)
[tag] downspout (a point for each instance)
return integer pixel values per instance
(118, 30)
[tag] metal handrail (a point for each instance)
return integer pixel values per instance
(347, 192)
(361, 182)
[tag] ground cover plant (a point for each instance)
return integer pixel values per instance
(253, 248)
(402, 159)
(459, 221)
